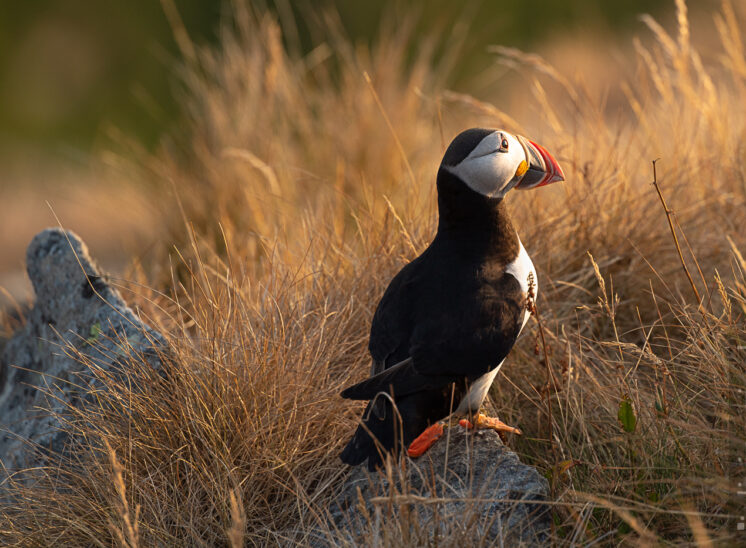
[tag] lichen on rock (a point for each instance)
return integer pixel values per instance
(78, 322)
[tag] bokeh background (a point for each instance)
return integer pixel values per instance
(253, 176)
(84, 83)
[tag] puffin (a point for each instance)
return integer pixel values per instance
(449, 318)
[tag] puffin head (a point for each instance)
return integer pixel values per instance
(493, 161)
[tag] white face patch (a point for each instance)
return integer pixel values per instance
(490, 168)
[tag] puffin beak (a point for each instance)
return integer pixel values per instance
(542, 170)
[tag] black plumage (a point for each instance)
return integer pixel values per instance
(447, 318)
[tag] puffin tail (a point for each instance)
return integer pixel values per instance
(375, 437)
(359, 448)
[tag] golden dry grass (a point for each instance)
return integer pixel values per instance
(299, 188)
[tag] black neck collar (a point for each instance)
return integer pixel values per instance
(474, 221)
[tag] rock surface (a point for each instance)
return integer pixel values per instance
(76, 314)
(471, 488)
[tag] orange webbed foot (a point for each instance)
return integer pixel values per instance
(425, 441)
(484, 422)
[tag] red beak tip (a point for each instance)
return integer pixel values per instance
(554, 171)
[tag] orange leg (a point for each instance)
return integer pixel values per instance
(425, 441)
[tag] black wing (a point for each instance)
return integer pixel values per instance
(392, 325)
(451, 343)
(472, 336)
(391, 329)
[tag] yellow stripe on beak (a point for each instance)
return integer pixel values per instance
(522, 169)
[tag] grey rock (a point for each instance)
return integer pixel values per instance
(78, 323)
(467, 489)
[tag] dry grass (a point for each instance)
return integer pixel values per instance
(296, 192)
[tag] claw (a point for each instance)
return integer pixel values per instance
(425, 441)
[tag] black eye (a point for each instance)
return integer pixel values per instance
(505, 144)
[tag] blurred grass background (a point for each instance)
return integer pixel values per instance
(78, 79)
(69, 70)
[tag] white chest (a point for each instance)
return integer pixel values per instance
(478, 390)
(522, 269)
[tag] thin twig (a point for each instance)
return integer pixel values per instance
(551, 383)
(673, 233)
